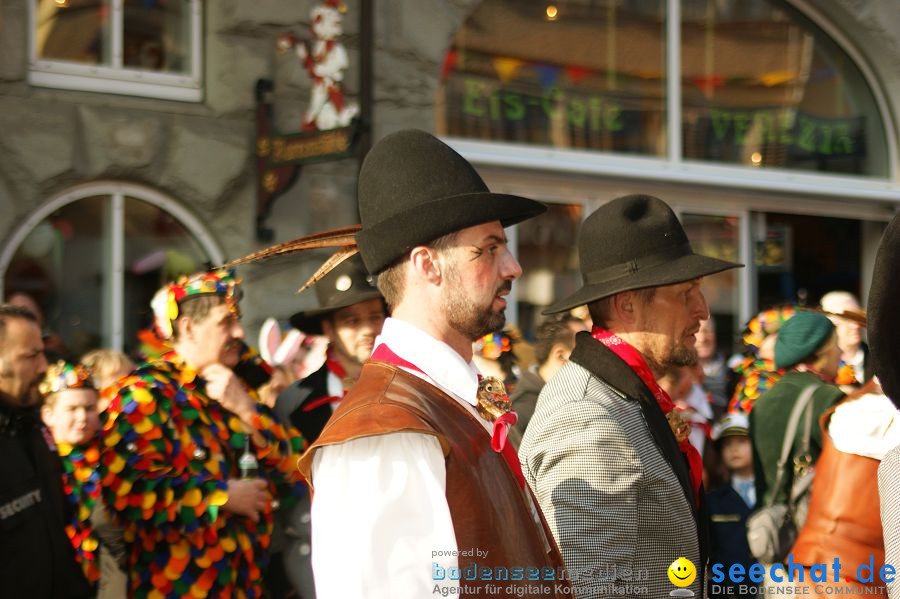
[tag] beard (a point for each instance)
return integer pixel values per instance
(463, 315)
(683, 356)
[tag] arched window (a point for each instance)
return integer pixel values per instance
(93, 256)
(757, 84)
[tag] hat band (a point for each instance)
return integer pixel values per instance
(624, 269)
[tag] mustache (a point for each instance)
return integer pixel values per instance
(505, 286)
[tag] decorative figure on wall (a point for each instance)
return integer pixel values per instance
(325, 60)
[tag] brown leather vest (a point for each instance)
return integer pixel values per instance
(844, 514)
(490, 512)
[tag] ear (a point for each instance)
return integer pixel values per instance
(184, 327)
(625, 307)
(289, 347)
(269, 340)
(560, 352)
(328, 329)
(46, 413)
(426, 263)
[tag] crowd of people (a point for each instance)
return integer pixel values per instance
(424, 447)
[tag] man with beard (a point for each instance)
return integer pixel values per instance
(190, 460)
(606, 453)
(36, 558)
(350, 314)
(411, 481)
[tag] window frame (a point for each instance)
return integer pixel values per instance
(115, 78)
(116, 192)
(674, 168)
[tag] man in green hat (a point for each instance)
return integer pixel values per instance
(807, 348)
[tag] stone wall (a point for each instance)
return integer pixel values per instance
(202, 153)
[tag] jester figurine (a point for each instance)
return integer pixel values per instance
(192, 463)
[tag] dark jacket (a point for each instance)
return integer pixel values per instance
(525, 398)
(291, 403)
(36, 558)
(768, 424)
(728, 537)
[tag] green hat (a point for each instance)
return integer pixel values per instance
(800, 337)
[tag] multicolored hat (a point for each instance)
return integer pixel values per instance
(62, 375)
(766, 323)
(165, 303)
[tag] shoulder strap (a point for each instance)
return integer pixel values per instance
(789, 434)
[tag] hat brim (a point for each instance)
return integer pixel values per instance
(383, 243)
(310, 321)
(884, 317)
(684, 268)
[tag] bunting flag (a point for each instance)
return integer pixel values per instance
(547, 74)
(450, 60)
(708, 84)
(777, 78)
(576, 74)
(506, 67)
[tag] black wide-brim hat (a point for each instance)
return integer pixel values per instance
(414, 188)
(345, 285)
(634, 242)
(884, 312)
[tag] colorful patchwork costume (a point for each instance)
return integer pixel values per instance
(80, 476)
(168, 454)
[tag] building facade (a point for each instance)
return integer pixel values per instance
(130, 140)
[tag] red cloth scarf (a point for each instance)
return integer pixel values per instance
(335, 368)
(383, 353)
(636, 362)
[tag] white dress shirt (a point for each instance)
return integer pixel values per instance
(380, 508)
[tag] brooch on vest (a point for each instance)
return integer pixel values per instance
(494, 406)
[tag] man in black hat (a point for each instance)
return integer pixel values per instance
(606, 453)
(350, 314)
(412, 480)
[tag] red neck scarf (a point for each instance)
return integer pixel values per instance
(636, 362)
(335, 368)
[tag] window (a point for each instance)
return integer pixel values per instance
(761, 86)
(93, 257)
(691, 86)
(588, 76)
(133, 47)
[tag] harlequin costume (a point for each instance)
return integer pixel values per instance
(168, 454)
(756, 374)
(80, 477)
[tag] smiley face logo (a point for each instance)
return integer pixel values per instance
(682, 572)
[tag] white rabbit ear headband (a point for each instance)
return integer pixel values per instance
(278, 349)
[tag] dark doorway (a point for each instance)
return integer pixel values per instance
(803, 257)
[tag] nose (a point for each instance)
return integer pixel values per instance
(237, 331)
(42, 363)
(701, 308)
(512, 270)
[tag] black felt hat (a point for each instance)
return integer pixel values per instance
(346, 284)
(634, 242)
(884, 312)
(414, 188)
